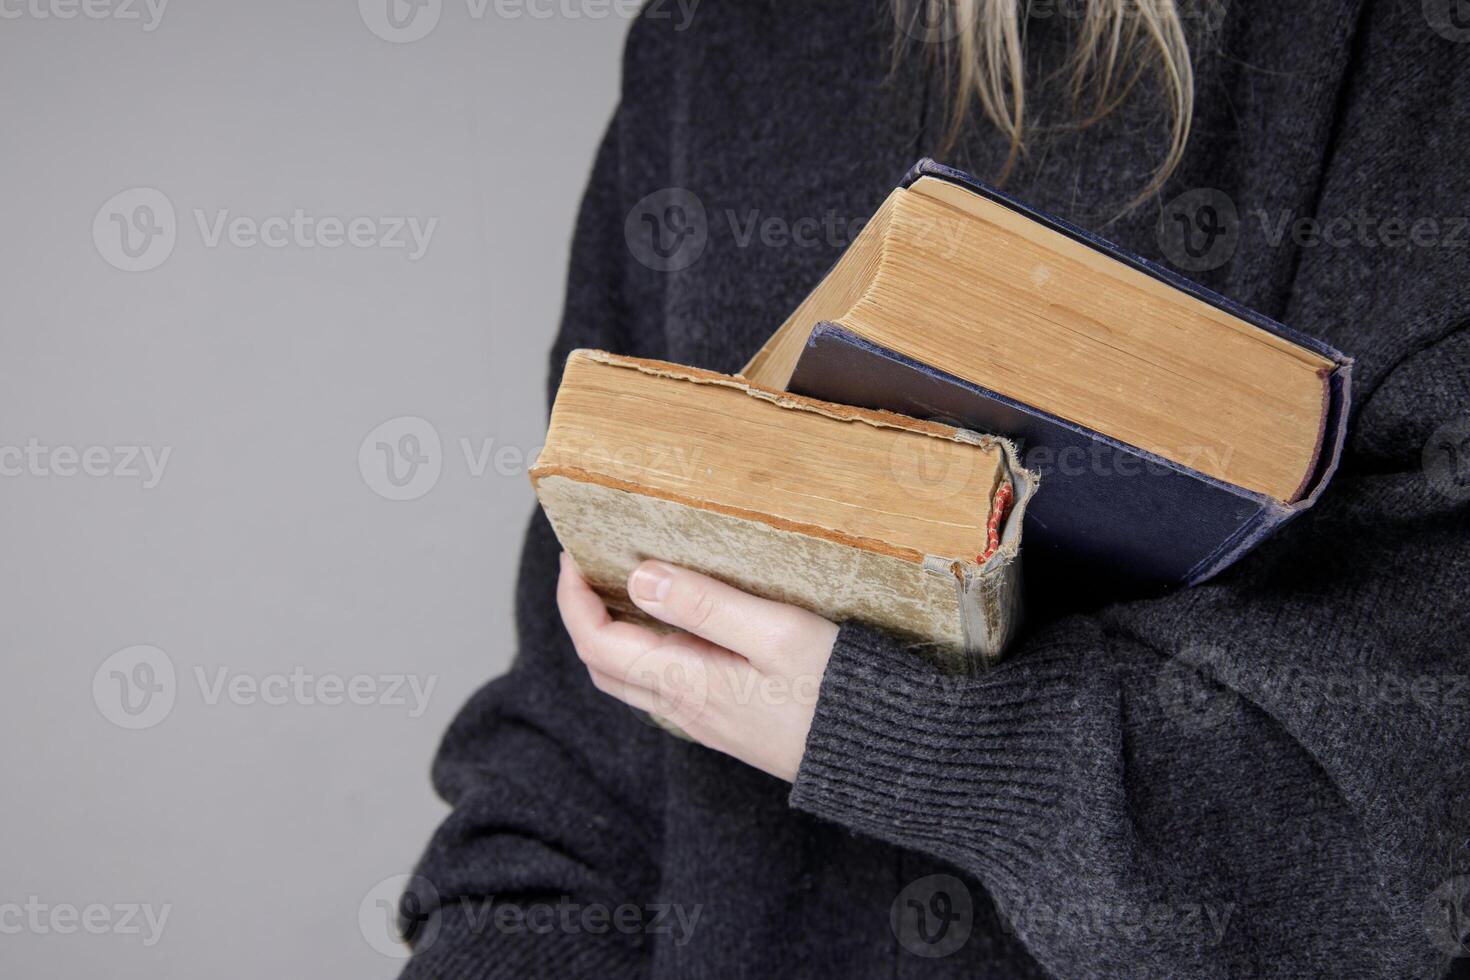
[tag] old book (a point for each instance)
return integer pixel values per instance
(1172, 430)
(909, 525)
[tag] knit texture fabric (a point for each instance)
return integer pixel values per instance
(1262, 776)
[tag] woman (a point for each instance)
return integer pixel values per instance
(1264, 775)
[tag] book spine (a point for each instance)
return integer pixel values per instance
(991, 592)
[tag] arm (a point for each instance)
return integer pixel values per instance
(1266, 775)
(554, 802)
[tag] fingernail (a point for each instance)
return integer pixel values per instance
(651, 582)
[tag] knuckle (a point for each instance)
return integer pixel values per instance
(702, 608)
(778, 639)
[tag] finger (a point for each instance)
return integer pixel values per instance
(582, 610)
(667, 675)
(597, 636)
(667, 679)
(630, 694)
(756, 628)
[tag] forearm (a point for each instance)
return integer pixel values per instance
(1288, 735)
(1122, 830)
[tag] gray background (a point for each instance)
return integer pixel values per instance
(265, 548)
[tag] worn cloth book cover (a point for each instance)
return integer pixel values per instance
(1172, 430)
(905, 524)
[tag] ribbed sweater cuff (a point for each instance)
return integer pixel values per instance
(456, 950)
(901, 751)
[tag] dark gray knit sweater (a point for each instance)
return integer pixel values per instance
(1263, 776)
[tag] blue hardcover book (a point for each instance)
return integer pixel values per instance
(1172, 429)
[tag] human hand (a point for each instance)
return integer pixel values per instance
(740, 675)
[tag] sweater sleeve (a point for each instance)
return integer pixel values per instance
(546, 864)
(1266, 774)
